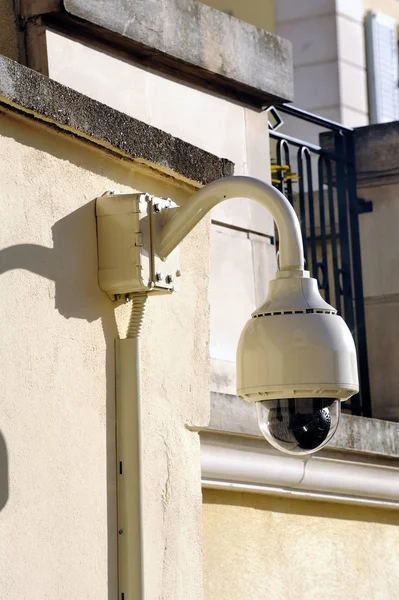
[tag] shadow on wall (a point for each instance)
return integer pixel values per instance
(72, 265)
(68, 264)
(3, 473)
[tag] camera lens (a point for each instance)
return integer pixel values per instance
(299, 425)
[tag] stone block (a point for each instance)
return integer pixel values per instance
(286, 10)
(317, 86)
(198, 43)
(353, 118)
(351, 44)
(352, 10)
(353, 87)
(313, 40)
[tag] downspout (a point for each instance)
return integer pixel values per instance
(129, 457)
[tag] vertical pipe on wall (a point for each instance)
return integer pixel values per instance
(129, 458)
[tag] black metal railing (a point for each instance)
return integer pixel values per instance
(319, 179)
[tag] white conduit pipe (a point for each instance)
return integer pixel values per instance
(244, 470)
(129, 457)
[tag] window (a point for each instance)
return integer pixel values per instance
(383, 75)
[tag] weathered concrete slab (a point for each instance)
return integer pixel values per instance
(377, 154)
(376, 149)
(200, 43)
(42, 98)
(230, 414)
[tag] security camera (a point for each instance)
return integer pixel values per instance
(296, 357)
(297, 360)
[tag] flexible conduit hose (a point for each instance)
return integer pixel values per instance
(136, 315)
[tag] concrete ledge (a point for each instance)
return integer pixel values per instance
(195, 42)
(232, 415)
(238, 464)
(39, 97)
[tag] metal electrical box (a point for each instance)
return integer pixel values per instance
(127, 226)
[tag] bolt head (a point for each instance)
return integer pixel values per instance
(158, 276)
(169, 279)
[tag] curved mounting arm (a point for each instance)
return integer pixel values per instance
(185, 219)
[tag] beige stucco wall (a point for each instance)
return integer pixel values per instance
(260, 14)
(261, 547)
(57, 455)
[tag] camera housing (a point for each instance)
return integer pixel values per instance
(296, 359)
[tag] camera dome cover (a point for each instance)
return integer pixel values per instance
(296, 345)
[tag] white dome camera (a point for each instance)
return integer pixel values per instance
(297, 360)
(296, 357)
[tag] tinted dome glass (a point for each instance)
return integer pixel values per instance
(299, 425)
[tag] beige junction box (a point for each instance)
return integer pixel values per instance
(127, 229)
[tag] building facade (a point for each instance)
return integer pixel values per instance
(159, 97)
